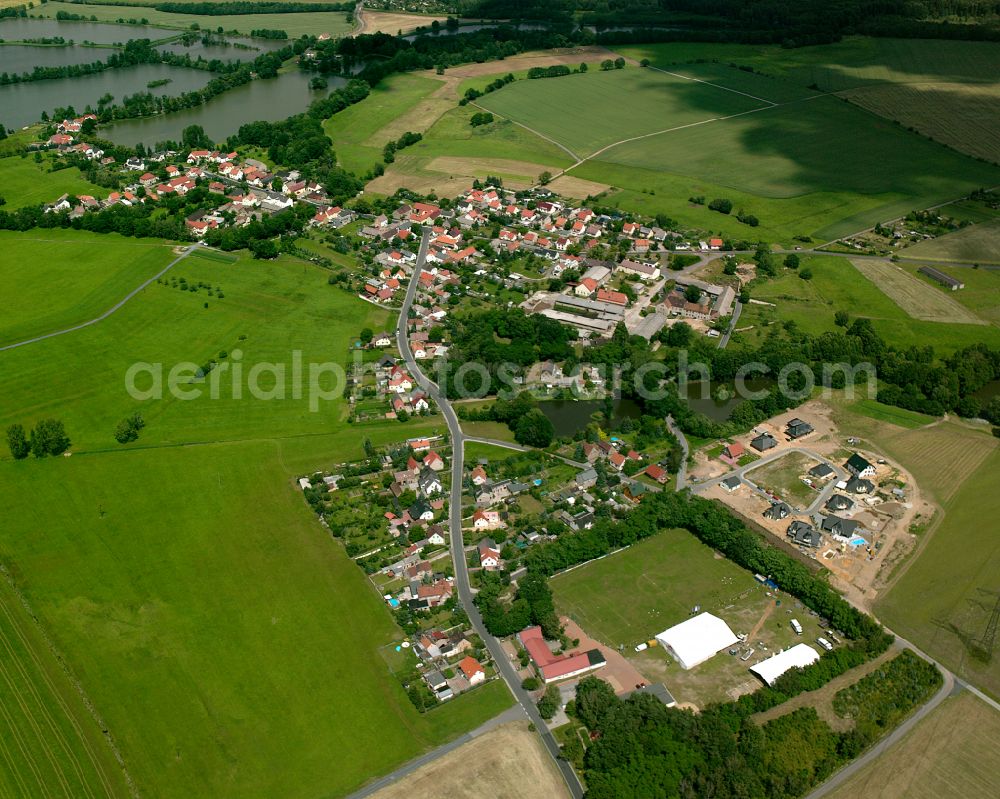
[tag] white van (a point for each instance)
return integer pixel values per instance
(825, 644)
(796, 626)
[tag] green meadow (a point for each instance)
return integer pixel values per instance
(228, 642)
(24, 182)
(62, 278)
(837, 285)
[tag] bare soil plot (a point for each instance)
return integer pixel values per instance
(962, 116)
(391, 22)
(508, 763)
(952, 754)
(918, 299)
(577, 188)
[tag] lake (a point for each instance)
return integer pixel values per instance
(268, 100)
(19, 58)
(702, 397)
(569, 416)
(19, 28)
(23, 103)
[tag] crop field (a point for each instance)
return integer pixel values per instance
(837, 285)
(981, 294)
(632, 102)
(62, 278)
(23, 183)
(51, 745)
(919, 299)
(215, 641)
(951, 754)
(973, 244)
(294, 24)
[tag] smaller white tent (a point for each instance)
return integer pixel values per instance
(771, 669)
(694, 641)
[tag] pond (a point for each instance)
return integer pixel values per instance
(569, 416)
(23, 103)
(718, 401)
(222, 116)
(250, 49)
(20, 58)
(988, 392)
(19, 28)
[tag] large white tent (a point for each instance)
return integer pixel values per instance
(694, 641)
(771, 669)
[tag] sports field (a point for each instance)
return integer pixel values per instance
(801, 162)
(951, 754)
(919, 299)
(23, 183)
(294, 24)
(837, 285)
(225, 638)
(62, 278)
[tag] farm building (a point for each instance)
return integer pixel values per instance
(696, 640)
(551, 667)
(800, 655)
(947, 281)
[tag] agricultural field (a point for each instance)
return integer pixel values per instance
(52, 745)
(392, 22)
(24, 182)
(508, 762)
(62, 278)
(135, 557)
(361, 131)
(294, 24)
(973, 244)
(981, 294)
(919, 299)
(837, 285)
(951, 754)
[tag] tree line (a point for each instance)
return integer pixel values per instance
(48, 437)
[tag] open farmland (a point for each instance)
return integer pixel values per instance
(24, 183)
(981, 294)
(973, 244)
(51, 745)
(837, 285)
(917, 298)
(214, 641)
(951, 754)
(294, 24)
(508, 763)
(62, 278)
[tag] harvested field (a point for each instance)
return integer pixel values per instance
(571, 56)
(508, 763)
(918, 299)
(523, 172)
(577, 188)
(395, 179)
(951, 754)
(974, 244)
(391, 22)
(963, 116)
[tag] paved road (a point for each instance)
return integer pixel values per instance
(503, 665)
(511, 714)
(110, 310)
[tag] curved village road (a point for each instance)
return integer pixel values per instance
(465, 595)
(113, 308)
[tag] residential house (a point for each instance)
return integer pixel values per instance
(804, 534)
(429, 482)
(473, 671)
(859, 466)
(858, 485)
(764, 442)
(797, 428)
(658, 473)
(732, 483)
(489, 554)
(777, 511)
(835, 525)
(734, 450)
(838, 502)
(821, 471)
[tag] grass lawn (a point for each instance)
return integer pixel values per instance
(494, 430)
(294, 24)
(474, 451)
(23, 183)
(981, 293)
(231, 651)
(951, 754)
(62, 278)
(837, 285)
(355, 130)
(890, 413)
(631, 596)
